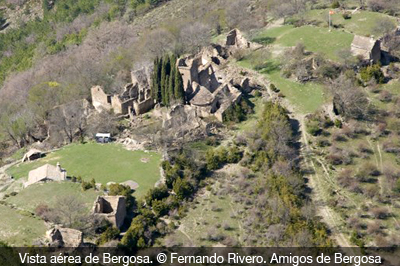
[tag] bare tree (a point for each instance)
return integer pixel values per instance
(349, 100)
(194, 36)
(383, 26)
(16, 125)
(70, 119)
(159, 42)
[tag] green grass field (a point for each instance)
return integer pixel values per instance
(34, 195)
(361, 23)
(19, 229)
(306, 98)
(315, 39)
(104, 163)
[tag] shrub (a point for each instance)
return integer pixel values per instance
(111, 233)
(335, 4)
(274, 88)
(380, 212)
(372, 72)
(313, 128)
(338, 123)
(346, 15)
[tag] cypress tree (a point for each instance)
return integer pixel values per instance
(156, 90)
(167, 92)
(178, 89)
(171, 85)
(162, 81)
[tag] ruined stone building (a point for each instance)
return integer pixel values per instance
(32, 155)
(211, 86)
(64, 237)
(135, 99)
(235, 39)
(111, 208)
(46, 173)
(367, 48)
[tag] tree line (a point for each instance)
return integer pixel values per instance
(167, 83)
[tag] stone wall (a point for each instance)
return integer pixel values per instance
(143, 107)
(100, 100)
(111, 208)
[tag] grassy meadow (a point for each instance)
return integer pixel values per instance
(104, 163)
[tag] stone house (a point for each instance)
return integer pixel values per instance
(135, 99)
(31, 155)
(46, 173)
(111, 208)
(367, 48)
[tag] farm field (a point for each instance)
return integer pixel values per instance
(104, 163)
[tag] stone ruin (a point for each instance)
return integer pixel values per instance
(64, 237)
(236, 40)
(111, 208)
(211, 86)
(135, 99)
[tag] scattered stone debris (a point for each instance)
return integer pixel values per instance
(111, 208)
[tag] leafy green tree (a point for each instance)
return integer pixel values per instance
(160, 207)
(157, 193)
(182, 188)
(121, 190)
(110, 234)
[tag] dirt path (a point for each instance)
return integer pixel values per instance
(316, 183)
(182, 230)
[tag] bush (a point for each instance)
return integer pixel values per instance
(338, 123)
(346, 15)
(372, 72)
(313, 128)
(111, 233)
(335, 4)
(274, 88)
